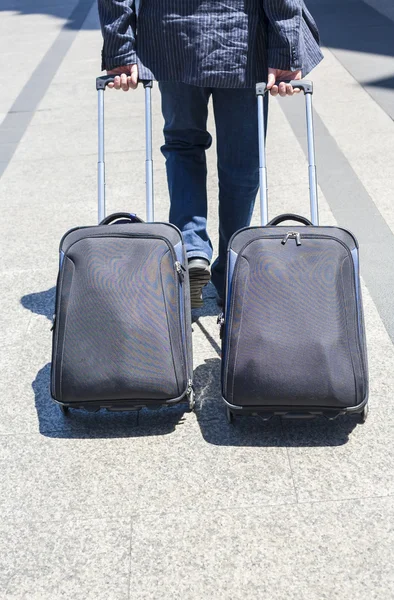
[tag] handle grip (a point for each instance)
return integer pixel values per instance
(301, 84)
(121, 217)
(289, 217)
(104, 80)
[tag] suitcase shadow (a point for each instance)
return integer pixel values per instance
(41, 303)
(251, 431)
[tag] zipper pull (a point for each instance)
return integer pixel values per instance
(180, 269)
(294, 235)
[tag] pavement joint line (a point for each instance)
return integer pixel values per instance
(22, 111)
(66, 519)
(141, 513)
(348, 499)
(130, 559)
(353, 209)
(291, 467)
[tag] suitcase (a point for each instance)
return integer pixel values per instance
(293, 340)
(122, 324)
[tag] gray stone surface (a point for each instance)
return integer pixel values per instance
(341, 460)
(82, 559)
(309, 551)
(173, 504)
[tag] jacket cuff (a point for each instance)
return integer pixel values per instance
(285, 59)
(111, 62)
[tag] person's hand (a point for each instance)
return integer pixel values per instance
(127, 77)
(276, 84)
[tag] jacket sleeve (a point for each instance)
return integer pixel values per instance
(118, 26)
(293, 38)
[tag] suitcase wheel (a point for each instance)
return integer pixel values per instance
(229, 415)
(191, 399)
(364, 414)
(64, 409)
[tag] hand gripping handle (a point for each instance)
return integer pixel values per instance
(302, 84)
(104, 80)
(307, 88)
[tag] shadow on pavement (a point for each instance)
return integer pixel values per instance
(355, 26)
(253, 431)
(210, 307)
(53, 8)
(41, 303)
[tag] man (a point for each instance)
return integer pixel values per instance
(197, 49)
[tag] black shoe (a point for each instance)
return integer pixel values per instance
(199, 276)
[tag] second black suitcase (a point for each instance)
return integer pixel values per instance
(293, 340)
(122, 325)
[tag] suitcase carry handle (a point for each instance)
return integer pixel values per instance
(289, 217)
(101, 84)
(307, 87)
(120, 216)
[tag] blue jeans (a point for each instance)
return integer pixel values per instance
(185, 111)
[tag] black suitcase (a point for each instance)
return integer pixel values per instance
(122, 325)
(293, 340)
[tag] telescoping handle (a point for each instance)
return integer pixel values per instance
(307, 88)
(101, 84)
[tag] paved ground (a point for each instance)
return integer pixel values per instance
(182, 505)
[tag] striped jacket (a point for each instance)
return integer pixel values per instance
(209, 43)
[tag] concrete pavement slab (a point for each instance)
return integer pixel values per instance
(311, 551)
(73, 474)
(66, 479)
(362, 130)
(74, 559)
(14, 318)
(380, 355)
(324, 467)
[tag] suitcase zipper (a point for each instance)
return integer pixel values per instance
(179, 269)
(305, 236)
(294, 235)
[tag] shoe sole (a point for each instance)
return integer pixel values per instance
(199, 277)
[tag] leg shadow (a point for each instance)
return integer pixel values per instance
(210, 307)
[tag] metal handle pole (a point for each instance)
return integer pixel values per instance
(149, 159)
(262, 162)
(101, 163)
(311, 160)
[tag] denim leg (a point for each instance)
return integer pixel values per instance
(238, 167)
(185, 111)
